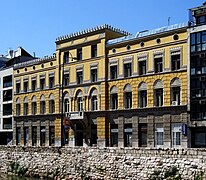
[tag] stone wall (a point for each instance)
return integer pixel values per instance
(104, 163)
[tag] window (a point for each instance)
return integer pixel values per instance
(42, 105)
(7, 81)
(142, 135)
(158, 64)
(114, 135)
(7, 123)
(142, 67)
(18, 87)
(26, 135)
(33, 105)
(201, 20)
(79, 54)
(93, 75)
(42, 135)
(26, 106)
(159, 135)
(113, 72)
(66, 79)
(25, 86)
(66, 57)
(128, 97)
(158, 93)
(34, 136)
(18, 107)
(94, 100)
(33, 84)
(198, 41)
(79, 77)
(51, 104)
(79, 104)
(42, 83)
(66, 105)
(114, 97)
(51, 81)
(175, 92)
(51, 136)
(7, 95)
(7, 109)
(127, 70)
(142, 98)
(175, 62)
(18, 136)
(176, 134)
(94, 51)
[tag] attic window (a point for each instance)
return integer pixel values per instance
(42, 65)
(114, 50)
(51, 63)
(175, 37)
(25, 69)
(17, 71)
(33, 67)
(128, 47)
(142, 44)
(158, 40)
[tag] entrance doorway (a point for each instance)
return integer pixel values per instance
(79, 135)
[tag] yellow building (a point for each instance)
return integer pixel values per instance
(36, 103)
(106, 87)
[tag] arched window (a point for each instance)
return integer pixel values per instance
(42, 105)
(158, 93)
(51, 104)
(26, 106)
(79, 99)
(94, 99)
(142, 95)
(175, 88)
(66, 103)
(128, 96)
(18, 107)
(33, 105)
(114, 97)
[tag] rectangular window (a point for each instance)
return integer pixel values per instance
(142, 135)
(176, 134)
(94, 51)
(158, 97)
(26, 106)
(7, 81)
(42, 83)
(66, 79)
(18, 136)
(93, 75)
(7, 123)
(42, 107)
(51, 136)
(7, 95)
(51, 81)
(127, 70)
(51, 106)
(79, 54)
(175, 95)
(94, 103)
(33, 84)
(79, 77)
(25, 86)
(114, 101)
(34, 136)
(114, 135)
(128, 100)
(26, 135)
(198, 41)
(66, 57)
(17, 109)
(113, 72)
(142, 67)
(7, 109)
(159, 135)
(33, 108)
(18, 86)
(143, 98)
(158, 64)
(175, 62)
(42, 135)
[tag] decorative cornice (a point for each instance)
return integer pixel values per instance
(86, 31)
(34, 61)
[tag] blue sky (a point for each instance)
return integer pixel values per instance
(35, 24)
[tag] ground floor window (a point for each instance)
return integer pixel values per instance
(51, 136)
(176, 134)
(127, 135)
(114, 135)
(42, 135)
(34, 136)
(18, 136)
(26, 135)
(93, 140)
(143, 135)
(198, 137)
(159, 135)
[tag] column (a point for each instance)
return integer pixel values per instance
(101, 132)
(135, 138)
(121, 131)
(38, 132)
(30, 133)
(47, 133)
(167, 130)
(150, 131)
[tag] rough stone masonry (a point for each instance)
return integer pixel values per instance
(103, 163)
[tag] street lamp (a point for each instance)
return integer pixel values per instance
(64, 121)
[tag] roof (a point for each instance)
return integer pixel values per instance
(34, 61)
(147, 33)
(86, 31)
